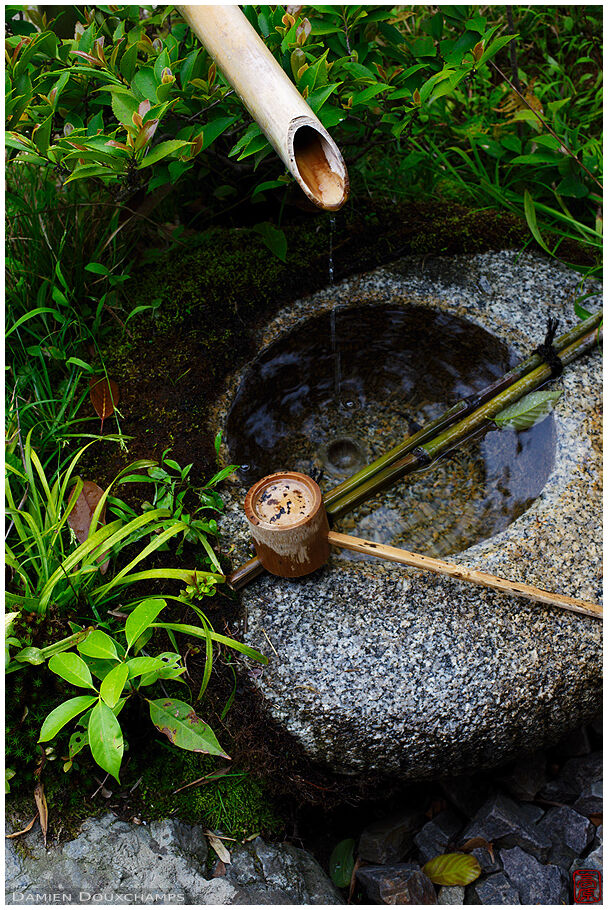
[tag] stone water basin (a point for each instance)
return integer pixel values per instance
(375, 668)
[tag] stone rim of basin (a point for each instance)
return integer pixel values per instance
(475, 690)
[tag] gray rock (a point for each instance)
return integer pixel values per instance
(484, 858)
(435, 836)
(576, 774)
(452, 894)
(506, 824)
(526, 777)
(116, 862)
(536, 883)
(497, 889)
(569, 832)
(574, 744)
(378, 669)
(388, 840)
(466, 793)
(591, 800)
(593, 860)
(401, 883)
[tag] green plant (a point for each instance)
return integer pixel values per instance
(171, 488)
(47, 569)
(123, 674)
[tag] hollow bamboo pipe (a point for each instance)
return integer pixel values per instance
(296, 134)
(462, 573)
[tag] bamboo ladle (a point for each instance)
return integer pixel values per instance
(291, 534)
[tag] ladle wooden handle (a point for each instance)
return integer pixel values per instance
(515, 588)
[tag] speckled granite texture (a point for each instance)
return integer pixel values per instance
(375, 667)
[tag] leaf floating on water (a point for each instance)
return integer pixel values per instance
(104, 396)
(452, 869)
(527, 412)
(342, 863)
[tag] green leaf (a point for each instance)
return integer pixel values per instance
(72, 668)
(530, 213)
(105, 739)
(141, 617)
(580, 311)
(124, 106)
(342, 863)
(274, 238)
(98, 644)
(63, 714)
(113, 684)
(528, 411)
(137, 666)
(145, 84)
(162, 150)
(178, 721)
(452, 869)
(30, 656)
(97, 268)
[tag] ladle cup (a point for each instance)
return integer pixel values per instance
(291, 535)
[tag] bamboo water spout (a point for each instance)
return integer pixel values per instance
(296, 134)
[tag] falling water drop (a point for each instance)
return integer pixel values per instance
(332, 224)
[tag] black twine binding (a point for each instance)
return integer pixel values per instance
(422, 455)
(548, 352)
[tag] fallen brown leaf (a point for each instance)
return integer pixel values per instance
(220, 849)
(220, 869)
(27, 828)
(43, 811)
(80, 517)
(475, 842)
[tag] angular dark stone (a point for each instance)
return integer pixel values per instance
(506, 824)
(434, 837)
(467, 794)
(591, 802)
(574, 744)
(451, 894)
(593, 860)
(526, 777)
(483, 857)
(569, 832)
(496, 889)
(535, 882)
(388, 840)
(574, 777)
(401, 883)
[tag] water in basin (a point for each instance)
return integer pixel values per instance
(343, 387)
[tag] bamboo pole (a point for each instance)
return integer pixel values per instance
(457, 433)
(457, 412)
(462, 573)
(294, 131)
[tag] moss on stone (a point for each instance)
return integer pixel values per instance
(236, 803)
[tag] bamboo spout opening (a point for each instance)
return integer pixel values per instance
(319, 167)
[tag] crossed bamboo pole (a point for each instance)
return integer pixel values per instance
(467, 418)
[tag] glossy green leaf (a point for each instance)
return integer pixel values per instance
(72, 668)
(137, 666)
(113, 684)
(274, 238)
(342, 863)
(105, 739)
(99, 645)
(180, 724)
(452, 869)
(162, 150)
(63, 714)
(528, 411)
(530, 213)
(141, 618)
